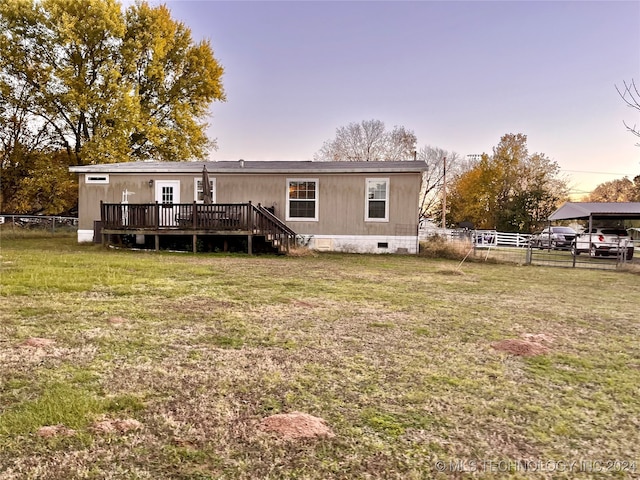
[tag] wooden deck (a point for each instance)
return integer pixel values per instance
(197, 220)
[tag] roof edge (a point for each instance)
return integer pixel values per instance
(253, 167)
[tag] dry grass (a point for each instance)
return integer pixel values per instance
(440, 247)
(301, 251)
(195, 352)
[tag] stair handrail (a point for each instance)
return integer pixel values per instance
(267, 213)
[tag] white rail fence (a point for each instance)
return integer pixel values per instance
(480, 238)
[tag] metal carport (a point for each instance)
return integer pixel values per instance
(597, 211)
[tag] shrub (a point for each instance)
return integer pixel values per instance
(438, 246)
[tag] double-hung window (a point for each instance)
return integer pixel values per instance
(302, 199)
(199, 191)
(377, 201)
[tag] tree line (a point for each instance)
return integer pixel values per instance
(510, 189)
(87, 81)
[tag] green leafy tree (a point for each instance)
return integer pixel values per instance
(46, 187)
(510, 190)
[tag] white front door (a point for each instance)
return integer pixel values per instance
(168, 194)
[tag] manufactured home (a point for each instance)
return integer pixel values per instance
(331, 206)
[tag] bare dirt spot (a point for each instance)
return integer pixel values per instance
(115, 320)
(523, 348)
(450, 271)
(302, 304)
(116, 426)
(37, 342)
(49, 431)
(538, 337)
(296, 425)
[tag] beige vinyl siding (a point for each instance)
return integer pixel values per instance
(341, 201)
(341, 198)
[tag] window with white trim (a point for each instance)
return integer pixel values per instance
(199, 192)
(302, 199)
(377, 201)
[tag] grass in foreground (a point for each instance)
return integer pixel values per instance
(394, 352)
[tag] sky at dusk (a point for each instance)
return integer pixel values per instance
(458, 74)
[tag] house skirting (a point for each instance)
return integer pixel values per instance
(85, 236)
(338, 243)
(363, 243)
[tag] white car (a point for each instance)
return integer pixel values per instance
(603, 241)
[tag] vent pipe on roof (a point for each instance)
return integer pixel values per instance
(241, 163)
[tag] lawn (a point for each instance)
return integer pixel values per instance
(165, 365)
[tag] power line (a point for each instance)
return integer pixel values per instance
(597, 173)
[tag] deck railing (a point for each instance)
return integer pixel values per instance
(176, 216)
(197, 218)
(274, 229)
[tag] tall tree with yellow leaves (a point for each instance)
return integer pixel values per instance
(510, 191)
(101, 84)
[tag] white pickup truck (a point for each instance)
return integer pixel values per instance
(603, 241)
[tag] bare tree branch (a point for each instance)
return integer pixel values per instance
(631, 96)
(368, 141)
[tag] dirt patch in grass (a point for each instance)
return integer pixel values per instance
(115, 320)
(116, 426)
(37, 342)
(49, 431)
(450, 271)
(302, 304)
(296, 425)
(523, 348)
(540, 338)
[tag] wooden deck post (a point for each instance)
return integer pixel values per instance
(194, 216)
(195, 243)
(103, 237)
(157, 242)
(250, 228)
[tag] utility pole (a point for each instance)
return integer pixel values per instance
(444, 193)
